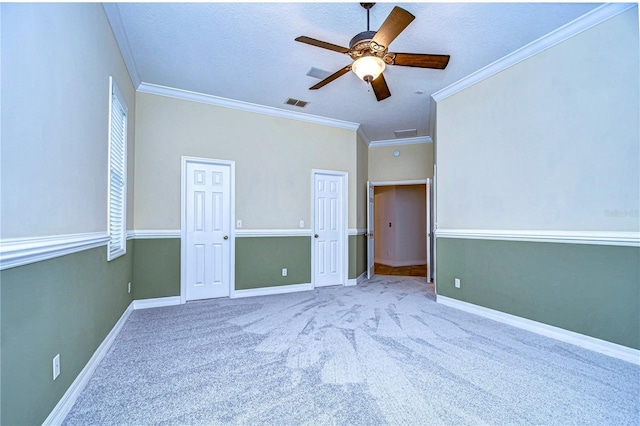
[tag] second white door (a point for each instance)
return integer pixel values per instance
(329, 229)
(207, 221)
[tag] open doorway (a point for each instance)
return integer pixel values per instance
(400, 223)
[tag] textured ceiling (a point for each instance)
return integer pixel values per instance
(247, 52)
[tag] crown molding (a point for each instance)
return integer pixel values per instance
(578, 25)
(113, 16)
(170, 92)
(403, 141)
(612, 238)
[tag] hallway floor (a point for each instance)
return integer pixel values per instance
(407, 271)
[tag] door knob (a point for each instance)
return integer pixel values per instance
(315, 236)
(226, 237)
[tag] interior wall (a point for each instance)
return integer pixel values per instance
(415, 162)
(550, 144)
(384, 215)
(362, 196)
(404, 242)
(56, 60)
(274, 158)
(56, 63)
(411, 230)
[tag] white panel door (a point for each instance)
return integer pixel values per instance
(329, 230)
(208, 221)
(370, 229)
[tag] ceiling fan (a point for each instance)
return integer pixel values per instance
(369, 50)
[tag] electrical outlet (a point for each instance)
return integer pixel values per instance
(457, 282)
(284, 272)
(239, 223)
(129, 287)
(302, 224)
(56, 366)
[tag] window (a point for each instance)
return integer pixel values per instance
(117, 208)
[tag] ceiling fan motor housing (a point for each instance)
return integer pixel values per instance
(363, 36)
(363, 45)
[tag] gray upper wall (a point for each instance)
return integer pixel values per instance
(274, 157)
(551, 143)
(56, 63)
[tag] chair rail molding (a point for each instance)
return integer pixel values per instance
(273, 233)
(631, 239)
(22, 251)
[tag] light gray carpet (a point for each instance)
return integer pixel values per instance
(380, 353)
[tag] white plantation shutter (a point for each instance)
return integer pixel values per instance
(117, 174)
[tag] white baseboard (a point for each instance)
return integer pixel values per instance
(351, 282)
(358, 280)
(156, 303)
(602, 346)
(267, 291)
(397, 263)
(63, 406)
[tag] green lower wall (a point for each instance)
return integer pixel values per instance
(259, 261)
(65, 305)
(156, 269)
(589, 289)
(357, 255)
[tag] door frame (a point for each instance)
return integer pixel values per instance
(369, 232)
(345, 222)
(183, 221)
(429, 240)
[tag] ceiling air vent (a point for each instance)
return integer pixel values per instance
(410, 133)
(296, 102)
(318, 73)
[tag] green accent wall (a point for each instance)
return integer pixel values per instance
(156, 270)
(357, 255)
(259, 261)
(67, 306)
(589, 289)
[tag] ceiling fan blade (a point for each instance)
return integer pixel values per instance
(332, 77)
(395, 23)
(322, 44)
(380, 88)
(420, 60)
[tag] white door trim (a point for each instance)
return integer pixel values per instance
(434, 200)
(369, 234)
(183, 224)
(345, 223)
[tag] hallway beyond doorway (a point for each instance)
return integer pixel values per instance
(407, 271)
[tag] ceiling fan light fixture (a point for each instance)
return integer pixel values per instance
(368, 68)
